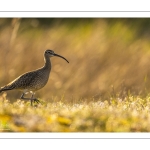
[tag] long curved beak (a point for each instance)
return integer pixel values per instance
(61, 57)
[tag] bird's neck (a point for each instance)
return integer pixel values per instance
(47, 62)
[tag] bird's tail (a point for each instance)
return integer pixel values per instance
(5, 88)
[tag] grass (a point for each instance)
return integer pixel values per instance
(102, 53)
(114, 115)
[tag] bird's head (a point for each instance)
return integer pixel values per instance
(51, 53)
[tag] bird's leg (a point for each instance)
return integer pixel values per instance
(32, 99)
(22, 97)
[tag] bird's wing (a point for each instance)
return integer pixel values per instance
(22, 81)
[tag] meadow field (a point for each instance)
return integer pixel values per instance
(104, 88)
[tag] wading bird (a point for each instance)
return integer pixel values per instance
(34, 80)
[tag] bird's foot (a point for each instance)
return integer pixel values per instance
(34, 100)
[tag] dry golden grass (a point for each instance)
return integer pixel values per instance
(102, 54)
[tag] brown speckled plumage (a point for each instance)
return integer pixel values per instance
(34, 80)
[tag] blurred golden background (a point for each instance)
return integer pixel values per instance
(108, 56)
